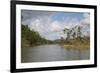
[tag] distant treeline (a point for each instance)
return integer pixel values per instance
(31, 37)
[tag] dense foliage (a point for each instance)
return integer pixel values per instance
(31, 37)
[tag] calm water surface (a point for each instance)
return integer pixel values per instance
(45, 53)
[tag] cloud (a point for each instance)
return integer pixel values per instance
(86, 20)
(49, 28)
(27, 15)
(85, 24)
(86, 15)
(56, 26)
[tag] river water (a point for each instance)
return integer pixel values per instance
(45, 53)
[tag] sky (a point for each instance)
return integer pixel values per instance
(50, 24)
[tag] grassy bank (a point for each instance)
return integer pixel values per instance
(77, 44)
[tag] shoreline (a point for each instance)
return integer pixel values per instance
(80, 46)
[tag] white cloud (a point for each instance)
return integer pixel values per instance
(52, 29)
(86, 20)
(55, 26)
(86, 15)
(85, 24)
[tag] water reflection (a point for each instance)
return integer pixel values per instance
(44, 53)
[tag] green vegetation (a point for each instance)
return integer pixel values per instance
(31, 38)
(75, 39)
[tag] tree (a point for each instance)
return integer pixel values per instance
(66, 31)
(79, 33)
(73, 35)
(31, 37)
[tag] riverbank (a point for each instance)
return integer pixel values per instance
(76, 46)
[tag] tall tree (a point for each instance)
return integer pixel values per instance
(79, 33)
(66, 31)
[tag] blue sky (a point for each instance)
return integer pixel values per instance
(60, 16)
(50, 24)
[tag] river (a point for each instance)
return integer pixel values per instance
(45, 53)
